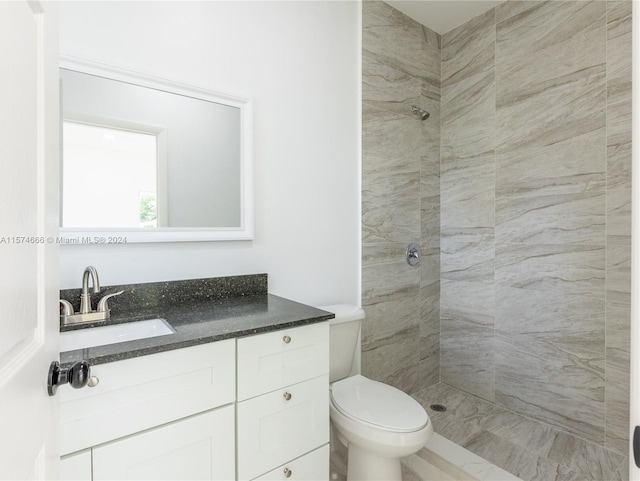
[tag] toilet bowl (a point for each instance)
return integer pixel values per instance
(377, 423)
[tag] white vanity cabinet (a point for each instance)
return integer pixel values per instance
(283, 404)
(252, 408)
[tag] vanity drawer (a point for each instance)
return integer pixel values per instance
(271, 361)
(310, 467)
(280, 426)
(143, 392)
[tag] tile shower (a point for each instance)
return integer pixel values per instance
(518, 188)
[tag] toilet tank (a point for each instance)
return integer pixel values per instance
(344, 333)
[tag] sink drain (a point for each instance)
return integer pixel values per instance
(439, 408)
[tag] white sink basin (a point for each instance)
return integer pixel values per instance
(101, 336)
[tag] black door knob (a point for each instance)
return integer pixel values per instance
(77, 375)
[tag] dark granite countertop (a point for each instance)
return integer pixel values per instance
(200, 323)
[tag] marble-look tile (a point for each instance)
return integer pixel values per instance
(527, 27)
(591, 460)
(392, 37)
(534, 54)
(384, 269)
(466, 357)
(516, 460)
(550, 74)
(549, 383)
(467, 261)
(560, 268)
(467, 192)
(429, 332)
(469, 49)
(551, 219)
(573, 321)
(552, 112)
(393, 358)
(473, 302)
(391, 207)
(532, 449)
(617, 404)
(619, 122)
(391, 138)
(393, 312)
(469, 118)
(430, 205)
(389, 88)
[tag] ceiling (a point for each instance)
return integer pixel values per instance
(444, 15)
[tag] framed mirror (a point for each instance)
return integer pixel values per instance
(151, 160)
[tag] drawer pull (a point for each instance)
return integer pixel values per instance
(286, 339)
(287, 473)
(287, 396)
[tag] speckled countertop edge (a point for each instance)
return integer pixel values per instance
(200, 319)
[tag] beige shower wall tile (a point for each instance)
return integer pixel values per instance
(528, 27)
(466, 357)
(393, 357)
(467, 261)
(429, 368)
(467, 192)
(551, 219)
(387, 87)
(469, 50)
(617, 405)
(391, 176)
(557, 52)
(574, 166)
(562, 268)
(550, 74)
(472, 302)
(574, 322)
(468, 118)
(392, 138)
(536, 378)
(552, 112)
(392, 37)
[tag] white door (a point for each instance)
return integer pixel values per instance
(28, 226)
(634, 470)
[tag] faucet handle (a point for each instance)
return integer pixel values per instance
(66, 309)
(102, 304)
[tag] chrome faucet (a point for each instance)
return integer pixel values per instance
(85, 297)
(85, 314)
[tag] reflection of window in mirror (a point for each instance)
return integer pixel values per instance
(95, 193)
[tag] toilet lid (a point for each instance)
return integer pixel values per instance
(378, 404)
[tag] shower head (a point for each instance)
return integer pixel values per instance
(420, 113)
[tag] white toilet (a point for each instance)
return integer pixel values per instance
(377, 423)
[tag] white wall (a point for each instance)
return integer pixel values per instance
(300, 63)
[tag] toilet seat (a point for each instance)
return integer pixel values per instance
(378, 405)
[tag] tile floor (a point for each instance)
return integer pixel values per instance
(528, 449)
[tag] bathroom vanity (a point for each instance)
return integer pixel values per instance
(238, 391)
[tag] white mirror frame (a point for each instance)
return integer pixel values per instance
(173, 234)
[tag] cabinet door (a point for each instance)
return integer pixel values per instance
(76, 466)
(145, 392)
(280, 426)
(201, 447)
(310, 467)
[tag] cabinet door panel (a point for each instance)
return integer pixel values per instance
(273, 430)
(271, 361)
(201, 447)
(144, 392)
(310, 467)
(76, 466)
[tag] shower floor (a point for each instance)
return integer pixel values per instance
(528, 449)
